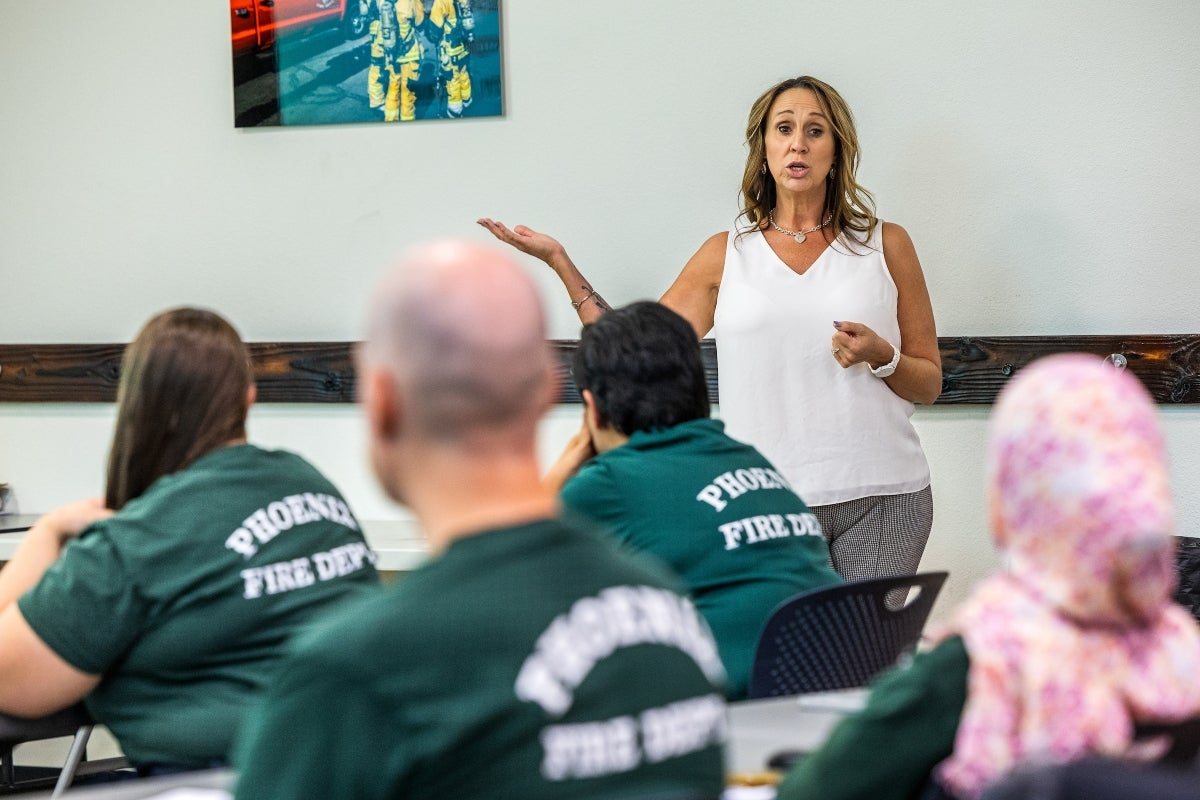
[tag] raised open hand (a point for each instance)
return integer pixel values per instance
(539, 245)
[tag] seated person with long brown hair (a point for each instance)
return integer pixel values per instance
(167, 605)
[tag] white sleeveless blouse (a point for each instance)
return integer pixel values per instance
(837, 434)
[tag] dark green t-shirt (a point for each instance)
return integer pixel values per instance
(185, 598)
(889, 749)
(532, 662)
(716, 512)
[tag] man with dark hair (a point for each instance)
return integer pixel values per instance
(528, 657)
(656, 471)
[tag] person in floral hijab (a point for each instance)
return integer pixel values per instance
(1074, 641)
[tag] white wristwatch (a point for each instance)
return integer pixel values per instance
(888, 368)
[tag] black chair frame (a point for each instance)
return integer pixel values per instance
(74, 722)
(841, 637)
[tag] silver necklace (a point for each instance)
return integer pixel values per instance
(797, 235)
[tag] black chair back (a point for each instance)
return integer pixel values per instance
(1184, 739)
(840, 637)
(1187, 562)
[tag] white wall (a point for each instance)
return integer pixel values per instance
(1041, 155)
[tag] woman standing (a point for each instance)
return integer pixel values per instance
(825, 333)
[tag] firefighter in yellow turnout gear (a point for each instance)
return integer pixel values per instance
(457, 25)
(396, 52)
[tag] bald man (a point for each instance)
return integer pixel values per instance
(527, 658)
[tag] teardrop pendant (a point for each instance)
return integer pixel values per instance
(800, 237)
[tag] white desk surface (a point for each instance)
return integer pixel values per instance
(17, 522)
(210, 785)
(758, 729)
(398, 542)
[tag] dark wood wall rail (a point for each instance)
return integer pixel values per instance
(973, 368)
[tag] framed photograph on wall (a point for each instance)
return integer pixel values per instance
(318, 62)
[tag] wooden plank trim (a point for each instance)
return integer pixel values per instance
(974, 369)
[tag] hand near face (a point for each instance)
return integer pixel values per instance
(579, 450)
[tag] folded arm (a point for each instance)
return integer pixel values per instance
(34, 680)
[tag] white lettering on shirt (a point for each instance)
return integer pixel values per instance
(611, 746)
(296, 573)
(595, 627)
(589, 749)
(735, 483)
(683, 727)
(764, 527)
(282, 515)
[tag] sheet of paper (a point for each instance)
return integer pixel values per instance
(748, 793)
(184, 793)
(845, 701)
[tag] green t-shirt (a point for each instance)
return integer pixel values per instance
(185, 598)
(716, 512)
(889, 749)
(532, 662)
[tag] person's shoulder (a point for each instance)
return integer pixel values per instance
(900, 255)
(581, 538)
(894, 237)
(628, 566)
(599, 466)
(280, 456)
(163, 493)
(235, 463)
(283, 462)
(950, 652)
(940, 672)
(715, 430)
(947, 656)
(109, 541)
(709, 260)
(592, 483)
(683, 434)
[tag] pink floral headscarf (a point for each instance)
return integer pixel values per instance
(1077, 638)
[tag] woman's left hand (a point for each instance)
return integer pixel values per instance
(43, 544)
(67, 522)
(855, 343)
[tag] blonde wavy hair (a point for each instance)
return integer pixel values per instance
(852, 206)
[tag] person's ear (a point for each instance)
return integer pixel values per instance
(591, 414)
(381, 402)
(251, 395)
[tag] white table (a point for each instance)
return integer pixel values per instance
(397, 542)
(758, 729)
(11, 523)
(210, 785)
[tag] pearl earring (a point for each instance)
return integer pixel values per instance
(764, 167)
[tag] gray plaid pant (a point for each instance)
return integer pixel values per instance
(879, 536)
